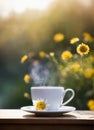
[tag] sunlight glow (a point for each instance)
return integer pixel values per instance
(19, 6)
(85, 2)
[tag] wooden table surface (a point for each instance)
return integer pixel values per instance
(13, 119)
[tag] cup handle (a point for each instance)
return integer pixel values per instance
(72, 96)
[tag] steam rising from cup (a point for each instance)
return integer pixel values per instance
(39, 73)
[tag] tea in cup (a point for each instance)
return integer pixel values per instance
(50, 97)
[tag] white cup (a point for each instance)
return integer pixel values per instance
(52, 95)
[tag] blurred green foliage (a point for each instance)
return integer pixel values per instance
(33, 31)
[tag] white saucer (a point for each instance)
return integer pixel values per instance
(60, 111)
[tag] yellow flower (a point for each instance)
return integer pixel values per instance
(66, 55)
(24, 58)
(42, 54)
(74, 40)
(51, 54)
(82, 49)
(40, 105)
(27, 78)
(26, 95)
(58, 37)
(76, 66)
(90, 104)
(88, 37)
(89, 72)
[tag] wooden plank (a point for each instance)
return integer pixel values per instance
(11, 119)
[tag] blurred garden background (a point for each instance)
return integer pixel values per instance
(28, 27)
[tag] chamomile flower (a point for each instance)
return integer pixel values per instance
(27, 95)
(40, 104)
(74, 40)
(52, 54)
(58, 37)
(66, 55)
(27, 78)
(89, 73)
(83, 49)
(24, 58)
(90, 104)
(42, 54)
(76, 66)
(88, 37)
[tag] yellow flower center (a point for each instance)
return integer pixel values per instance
(83, 49)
